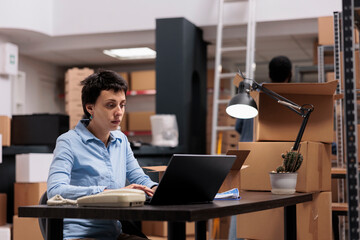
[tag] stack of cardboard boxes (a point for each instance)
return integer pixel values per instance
(276, 128)
(138, 120)
(73, 105)
(31, 176)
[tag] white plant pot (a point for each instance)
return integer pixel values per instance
(283, 183)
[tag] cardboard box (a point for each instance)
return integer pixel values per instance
(77, 74)
(5, 232)
(275, 122)
(26, 194)
(326, 31)
(32, 167)
(313, 221)
(3, 209)
(143, 80)
(124, 123)
(5, 130)
(330, 76)
(125, 76)
(26, 228)
(139, 121)
(160, 229)
(313, 175)
(232, 180)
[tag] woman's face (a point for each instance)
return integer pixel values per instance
(108, 110)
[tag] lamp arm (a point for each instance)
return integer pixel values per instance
(306, 115)
(280, 99)
(303, 111)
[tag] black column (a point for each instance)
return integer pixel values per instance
(181, 79)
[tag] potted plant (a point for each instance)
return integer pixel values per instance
(283, 180)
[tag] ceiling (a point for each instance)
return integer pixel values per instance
(86, 50)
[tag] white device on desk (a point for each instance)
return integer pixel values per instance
(114, 198)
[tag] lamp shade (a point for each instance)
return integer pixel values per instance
(242, 106)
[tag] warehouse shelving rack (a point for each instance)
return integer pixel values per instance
(346, 109)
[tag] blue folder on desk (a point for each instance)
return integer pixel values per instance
(192, 179)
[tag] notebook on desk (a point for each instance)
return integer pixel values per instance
(192, 179)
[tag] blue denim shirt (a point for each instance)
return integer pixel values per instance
(83, 165)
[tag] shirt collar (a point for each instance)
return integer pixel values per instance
(86, 135)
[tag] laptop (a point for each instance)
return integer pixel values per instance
(192, 179)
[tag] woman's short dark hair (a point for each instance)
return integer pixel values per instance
(96, 82)
(280, 69)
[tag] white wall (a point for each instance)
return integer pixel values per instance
(5, 96)
(69, 17)
(34, 15)
(44, 84)
(122, 16)
(5, 90)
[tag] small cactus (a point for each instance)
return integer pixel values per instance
(291, 163)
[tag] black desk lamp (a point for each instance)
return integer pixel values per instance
(243, 105)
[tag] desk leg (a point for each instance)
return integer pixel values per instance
(290, 222)
(200, 230)
(54, 229)
(176, 231)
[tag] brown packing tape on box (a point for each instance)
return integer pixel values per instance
(313, 221)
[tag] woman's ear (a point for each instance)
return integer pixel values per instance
(90, 108)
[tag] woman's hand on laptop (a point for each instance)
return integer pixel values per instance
(147, 190)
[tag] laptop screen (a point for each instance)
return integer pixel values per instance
(192, 179)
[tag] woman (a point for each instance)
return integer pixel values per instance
(95, 156)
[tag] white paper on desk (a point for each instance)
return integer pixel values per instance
(231, 194)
